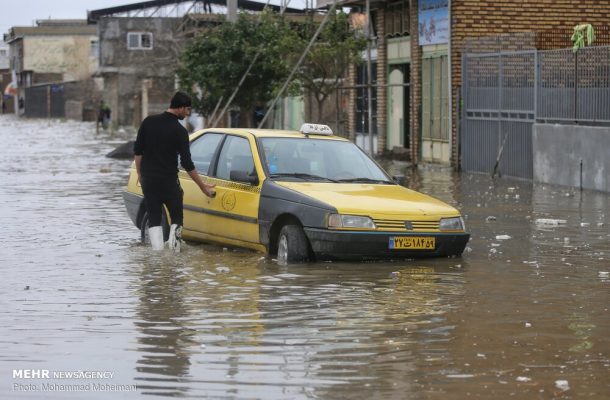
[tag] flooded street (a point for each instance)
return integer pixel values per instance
(524, 314)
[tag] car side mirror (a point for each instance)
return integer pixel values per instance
(243, 177)
(400, 179)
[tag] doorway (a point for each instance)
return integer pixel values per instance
(398, 107)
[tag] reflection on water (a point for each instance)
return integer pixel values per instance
(212, 321)
(161, 315)
(526, 306)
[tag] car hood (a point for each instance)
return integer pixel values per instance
(376, 201)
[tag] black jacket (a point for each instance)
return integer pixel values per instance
(160, 140)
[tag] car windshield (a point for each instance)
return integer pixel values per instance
(320, 160)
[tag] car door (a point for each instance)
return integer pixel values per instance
(196, 219)
(235, 211)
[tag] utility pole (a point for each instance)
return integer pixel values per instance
(369, 77)
(232, 10)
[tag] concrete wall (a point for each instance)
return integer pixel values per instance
(67, 55)
(559, 151)
(138, 82)
(4, 54)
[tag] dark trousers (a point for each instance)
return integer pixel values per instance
(159, 191)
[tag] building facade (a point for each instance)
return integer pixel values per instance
(53, 51)
(138, 57)
(416, 58)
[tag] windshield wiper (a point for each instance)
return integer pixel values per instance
(364, 180)
(301, 175)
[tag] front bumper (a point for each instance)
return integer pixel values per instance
(351, 245)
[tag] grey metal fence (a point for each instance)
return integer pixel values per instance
(504, 93)
(498, 112)
(574, 87)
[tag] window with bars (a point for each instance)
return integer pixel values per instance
(397, 18)
(139, 41)
(362, 119)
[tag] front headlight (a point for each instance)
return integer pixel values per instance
(350, 221)
(452, 224)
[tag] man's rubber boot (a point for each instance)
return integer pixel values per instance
(175, 238)
(156, 237)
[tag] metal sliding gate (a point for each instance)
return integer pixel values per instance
(499, 109)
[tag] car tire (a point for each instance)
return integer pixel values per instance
(293, 245)
(144, 238)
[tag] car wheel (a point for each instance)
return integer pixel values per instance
(292, 245)
(144, 237)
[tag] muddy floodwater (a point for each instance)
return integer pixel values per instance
(89, 313)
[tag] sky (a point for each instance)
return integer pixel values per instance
(26, 12)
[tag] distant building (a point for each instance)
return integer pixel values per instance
(5, 79)
(137, 61)
(4, 62)
(54, 51)
(140, 45)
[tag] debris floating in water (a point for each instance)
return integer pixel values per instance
(503, 237)
(550, 221)
(562, 384)
(523, 379)
(460, 376)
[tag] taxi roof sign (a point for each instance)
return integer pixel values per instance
(316, 129)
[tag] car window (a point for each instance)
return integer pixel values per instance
(203, 149)
(330, 159)
(235, 156)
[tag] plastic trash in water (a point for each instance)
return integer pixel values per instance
(562, 384)
(503, 237)
(550, 221)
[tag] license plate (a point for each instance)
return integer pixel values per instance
(412, 242)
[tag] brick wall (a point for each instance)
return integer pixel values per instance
(382, 90)
(351, 104)
(551, 20)
(416, 84)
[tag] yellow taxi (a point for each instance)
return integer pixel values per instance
(303, 196)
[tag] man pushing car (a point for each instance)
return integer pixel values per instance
(160, 140)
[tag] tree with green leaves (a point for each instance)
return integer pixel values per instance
(214, 62)
(324, 68)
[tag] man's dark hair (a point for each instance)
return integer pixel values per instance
(180, 99)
